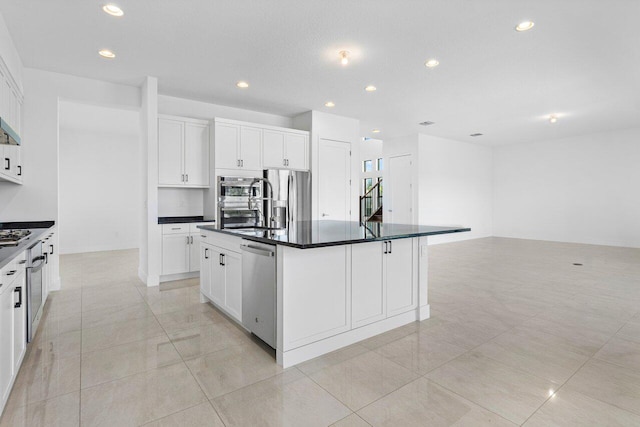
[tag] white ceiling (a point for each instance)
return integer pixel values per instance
(580, 61)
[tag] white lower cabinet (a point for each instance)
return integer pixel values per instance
(13, 325)
(6, 340)
(221, 278)
(180, 248)
(383, 282)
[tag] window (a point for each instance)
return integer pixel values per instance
(367, 166)
(368, 183)
(379, 164)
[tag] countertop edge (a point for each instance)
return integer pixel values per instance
(36, 233)
(336, 243)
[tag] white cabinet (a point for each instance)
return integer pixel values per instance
(237, 146)
(180, 248)
(13, 324)
(383, 282)
(285, 150)
(183, 153)
(221, 278)
(175, 253)
(11, 168)
(6, 340)
(240, 145)
(19, 321)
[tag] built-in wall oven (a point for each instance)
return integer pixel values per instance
(36, 261)
(240, 202)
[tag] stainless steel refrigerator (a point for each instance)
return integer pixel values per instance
(290, 192)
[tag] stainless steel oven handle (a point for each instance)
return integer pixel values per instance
(37, 267)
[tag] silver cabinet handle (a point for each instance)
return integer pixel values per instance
(182, 178)
(241, 165)
(284, 162)
(325, 214)
(390, 246)
(187, 240)
(257, 251)
(203, 236)
(175, 228)
(206, 253)
(386, 250)
(187, 177)
(192, 240)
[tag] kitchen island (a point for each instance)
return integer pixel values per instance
(336, 283)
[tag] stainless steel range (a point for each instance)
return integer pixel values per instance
(13, 237)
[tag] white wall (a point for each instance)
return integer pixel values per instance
(584, 189)
(180, 202)
(337, 128)
(99, 188)
(456, 187)
(37, 198)
(206, 111)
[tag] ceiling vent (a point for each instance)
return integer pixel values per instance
(475, 134)
(427, 123)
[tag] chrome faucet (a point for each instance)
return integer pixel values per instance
(257, 199)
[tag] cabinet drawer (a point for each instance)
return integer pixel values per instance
(175, 228)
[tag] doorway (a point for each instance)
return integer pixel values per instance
(334, 180)
(400, 190)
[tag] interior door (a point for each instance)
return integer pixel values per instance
(196, 154)
(170, 152)
(400, 190)
(334, 176)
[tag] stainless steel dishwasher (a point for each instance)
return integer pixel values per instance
(259, 290)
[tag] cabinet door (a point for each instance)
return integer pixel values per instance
(251, 148)
(170, 152)
(196, 154)
(194, 251)
(273, 149)
(233, 284)
(205, 269)
(368, 299)
(6, 338)
(296, 151)
(19, 321)
(9, 161)
(175, 253)
(217, 277)
(401, 292)
(227, 143)
(18, 161)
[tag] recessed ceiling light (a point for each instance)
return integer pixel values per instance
(525, 26)
(375, 131)
(106, 53)
(371, 88)
(113, 10)
(344, 56)
(553, 118)
(329, 104)
(242, 85)
(432, 63)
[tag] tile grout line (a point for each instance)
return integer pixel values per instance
(572, 375)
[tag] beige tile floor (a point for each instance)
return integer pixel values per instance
(518, 336)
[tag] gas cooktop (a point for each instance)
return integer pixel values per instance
(13, 237)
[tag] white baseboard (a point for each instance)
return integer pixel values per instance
(424, 312)
(148, 280)
(179, 276)
(318, 348)
(56, 284)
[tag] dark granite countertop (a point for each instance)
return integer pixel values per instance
(7, 253)
(318, 234)
(183, 219)
(21, 225)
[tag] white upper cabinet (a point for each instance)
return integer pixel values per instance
(11, 114)
(273, 149)
(227, 145)
(250, 146)
(285, 150)
(183, 152)
(11, 167)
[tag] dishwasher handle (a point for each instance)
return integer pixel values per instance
(257, 250)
